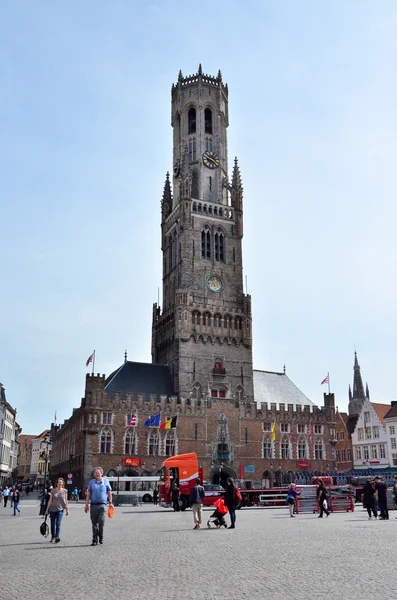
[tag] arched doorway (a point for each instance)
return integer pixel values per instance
(267, 479)
(220, 474)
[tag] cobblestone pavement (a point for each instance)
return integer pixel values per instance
(153, 553)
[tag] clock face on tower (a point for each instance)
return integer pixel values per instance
(215, 283)
(211, 160)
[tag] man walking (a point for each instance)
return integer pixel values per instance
(196, 500)
(381, 488)
(99, 493)
(6, 493)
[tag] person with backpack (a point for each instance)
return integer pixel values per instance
(231, 501)
(197, 496)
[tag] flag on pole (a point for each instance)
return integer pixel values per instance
(152, 421)
(166, 424)
(325, 380)
(90, 359)
(170, 423)
(273, 431)
(132, 420)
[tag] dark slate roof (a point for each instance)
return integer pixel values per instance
(140, 378)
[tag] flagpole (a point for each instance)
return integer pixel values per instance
(93, 363)
(329, 387)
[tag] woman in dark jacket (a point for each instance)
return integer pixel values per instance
(231, 501)
(369, 498)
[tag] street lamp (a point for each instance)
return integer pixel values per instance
(47, 441)
(45, 454)
(118, 484)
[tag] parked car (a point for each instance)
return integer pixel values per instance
(213, 491)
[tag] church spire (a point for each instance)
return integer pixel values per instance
(358, 388)
(166, 201)
(237, 185)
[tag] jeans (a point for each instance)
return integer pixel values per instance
(98, 516)
(16, 507)
(232, 513)
(56, 518)
(384, 512)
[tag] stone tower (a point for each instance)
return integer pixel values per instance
(204, 329)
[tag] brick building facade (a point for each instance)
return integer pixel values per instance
(202, 369)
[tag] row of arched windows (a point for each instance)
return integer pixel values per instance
(213, 210)
(156, 444)
(216, 320)
(213, 245)
(192, 120)
(287, 448)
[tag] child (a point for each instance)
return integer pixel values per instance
(292, 494)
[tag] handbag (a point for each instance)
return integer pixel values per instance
(238, 495)
(110, 511)
(44, 529)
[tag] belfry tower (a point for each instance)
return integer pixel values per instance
(204, 329)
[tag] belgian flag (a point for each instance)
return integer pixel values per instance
(169, 423)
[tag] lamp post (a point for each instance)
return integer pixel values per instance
(45, 455)
(118, 485)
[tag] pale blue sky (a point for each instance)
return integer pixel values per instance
(86, 142)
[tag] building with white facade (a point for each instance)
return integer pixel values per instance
(9, 432)
(39, 466)
(369, 439)
(391, 434)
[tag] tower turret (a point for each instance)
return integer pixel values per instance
(356, 399)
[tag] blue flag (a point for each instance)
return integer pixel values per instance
(152, 421)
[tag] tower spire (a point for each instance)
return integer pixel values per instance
(166, 201)
(237, 185)
(358, 388)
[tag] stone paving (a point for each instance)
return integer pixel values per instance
(154, 553)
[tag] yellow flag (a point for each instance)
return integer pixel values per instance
(274, 431)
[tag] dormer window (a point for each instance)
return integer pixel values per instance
(191, 116)
(208, 120)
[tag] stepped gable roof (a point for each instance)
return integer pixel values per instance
(273, 387)
(392, 412)
(140, 378)
(381, 411)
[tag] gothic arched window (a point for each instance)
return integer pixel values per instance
(302, 451)
(208, 120)
(192, 149)
(106, 441)
(285, 447)
(154, 444)
(318, 450)
(206, 244)
(130, 443)
(219, 246)
(267, 447)
(191, 116)
(170, 443)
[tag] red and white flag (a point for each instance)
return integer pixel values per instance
(326, 380)
(90, 359)
(133, 420)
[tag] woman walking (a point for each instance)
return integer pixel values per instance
(57, 504)
(291, 498)
(230, 499)
(16, 501)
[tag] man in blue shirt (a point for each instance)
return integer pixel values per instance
(99, 493)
